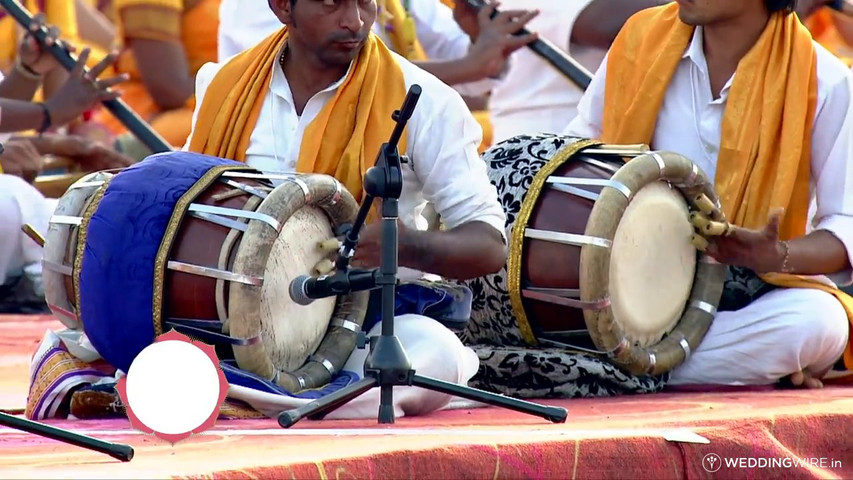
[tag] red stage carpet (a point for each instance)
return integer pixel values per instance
(623, 438)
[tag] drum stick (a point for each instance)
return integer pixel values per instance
(117, 107)
(33, 234)
(549, 52)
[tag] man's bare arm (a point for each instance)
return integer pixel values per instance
(469, 251)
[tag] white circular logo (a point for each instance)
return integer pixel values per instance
(712, 462)
(174, 388)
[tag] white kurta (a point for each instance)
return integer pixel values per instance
(445, 168)
(21, 203)
(533, 97)
(787, 330)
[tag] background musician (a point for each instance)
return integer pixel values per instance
(23, 160)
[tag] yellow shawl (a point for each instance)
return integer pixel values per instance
(765, 148)
(398, 23)
(342, 141)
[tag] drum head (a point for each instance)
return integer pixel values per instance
(291, 332)
(652, 264)
(60, 246)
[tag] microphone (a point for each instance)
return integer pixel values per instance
(304, 289)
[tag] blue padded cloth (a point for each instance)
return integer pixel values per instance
(124, 235)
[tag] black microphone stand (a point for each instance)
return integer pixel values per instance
(387, 364)
(115, 450)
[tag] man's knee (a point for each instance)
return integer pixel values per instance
(826, 326)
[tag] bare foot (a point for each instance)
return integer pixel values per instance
(805, 380)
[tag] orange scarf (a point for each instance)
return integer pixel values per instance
(765, 150)
(342, 141)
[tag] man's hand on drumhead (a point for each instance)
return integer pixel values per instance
(369, 249)
(758, 250)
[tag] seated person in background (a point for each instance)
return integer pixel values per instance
(424, 32)
(62, 17)
(317, 97)
(534, 97)
(22, 160)
(740, 88)
(165, 42)
(830, 28)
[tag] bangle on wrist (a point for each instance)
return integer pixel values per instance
(786, 267)
(27, 72)
(46, 119)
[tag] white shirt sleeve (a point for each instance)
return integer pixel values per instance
(832, 169)
(590, 120)
(443, 145)
(203, 78)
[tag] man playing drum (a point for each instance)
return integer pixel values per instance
(317, 97)
(740, 88)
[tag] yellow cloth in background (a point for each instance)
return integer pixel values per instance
(827, 27)
(765, 148)
(193, 24)
(396, 21)
(344, 138)
(59, 13)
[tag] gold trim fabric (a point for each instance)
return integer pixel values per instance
(516, 245)
(82, 236)
(172, 231)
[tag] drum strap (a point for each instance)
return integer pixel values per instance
(204, 330)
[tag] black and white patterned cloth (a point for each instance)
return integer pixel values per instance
(507, 365)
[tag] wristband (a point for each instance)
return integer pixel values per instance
(46, 120)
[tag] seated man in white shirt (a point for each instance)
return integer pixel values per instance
(740, 88)
(325, 58)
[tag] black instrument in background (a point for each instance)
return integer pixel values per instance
(549, 52)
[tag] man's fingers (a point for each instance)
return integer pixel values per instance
(52, 36)
(484, 16)
(105, 62)
(111, 82)
(516, 42)
(81, 62)
(37, 21)
(774, 220)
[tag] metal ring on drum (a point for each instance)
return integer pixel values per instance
(203, 245)
(601, 259)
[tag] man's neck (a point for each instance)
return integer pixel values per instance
(306, 75)
(726, 43)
